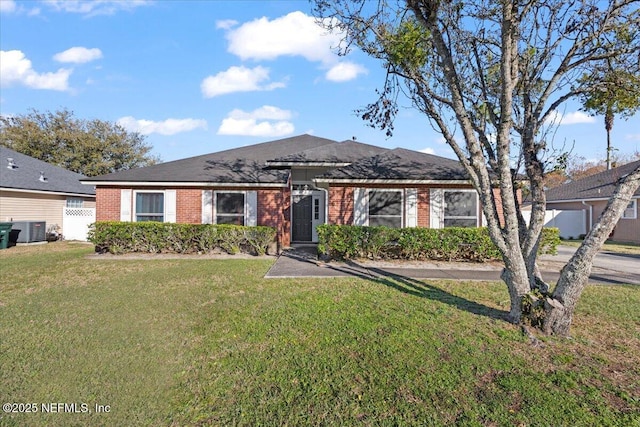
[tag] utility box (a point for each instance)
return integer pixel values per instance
(30, 231)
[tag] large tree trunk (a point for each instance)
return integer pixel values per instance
(559, 307)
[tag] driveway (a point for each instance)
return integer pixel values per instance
(609, 268)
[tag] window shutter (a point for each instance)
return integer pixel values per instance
(360, 206)
(207, 206)
(125, 205)
(251, 208)
(436, 201)
(170, 206)
(411, 207)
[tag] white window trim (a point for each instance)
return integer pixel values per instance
(134, 213)
(402, 207)
(215, 205)
(634, 208)
(444, 203)
(74, 199)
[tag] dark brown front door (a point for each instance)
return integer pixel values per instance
(302, 226)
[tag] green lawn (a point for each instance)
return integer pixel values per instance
(210, 342)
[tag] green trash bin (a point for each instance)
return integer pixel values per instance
(5, 230)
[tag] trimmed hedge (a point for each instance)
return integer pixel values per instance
(445, 244)
(161, 237)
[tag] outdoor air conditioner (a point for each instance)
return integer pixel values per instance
(30, 231)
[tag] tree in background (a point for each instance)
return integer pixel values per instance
(576, 167)
(488, 75)
(614, 92)
(89, 147)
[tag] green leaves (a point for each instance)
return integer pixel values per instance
(407, 46)
(89, 147)
(160, 237)
(417, 243)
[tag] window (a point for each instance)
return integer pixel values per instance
(75, 203)
(385, 208)
(460, 208)
(631, 212)
(229, 208)
(149, 206)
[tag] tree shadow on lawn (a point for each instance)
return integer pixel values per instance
(422, 289)
(401, 283)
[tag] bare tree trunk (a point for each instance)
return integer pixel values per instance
(560, 306)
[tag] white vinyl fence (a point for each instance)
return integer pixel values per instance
(76, 221)
(572, 223)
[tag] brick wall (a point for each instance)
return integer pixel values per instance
(107, 204)
(424, 207)
(340, 205)
(189, 206)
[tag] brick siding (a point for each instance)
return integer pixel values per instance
(107, 204)
(340, 205)
(189, 206)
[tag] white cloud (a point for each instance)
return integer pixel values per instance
(78, 55)
(16, 69)
(428, 150)
(266, 121)
(166, 127)
(226, 24)
(8, 6)
(632, 137)
(345, 71)
(295, 34)
(238, 79)
(556, 118)
(95, 7)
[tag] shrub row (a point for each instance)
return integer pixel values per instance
(160, 237)
(447, 244)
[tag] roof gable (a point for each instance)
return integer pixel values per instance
(26, 172)
(597, 186)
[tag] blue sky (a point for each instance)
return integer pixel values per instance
(202, 76)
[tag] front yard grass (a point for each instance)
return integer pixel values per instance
(211, 342)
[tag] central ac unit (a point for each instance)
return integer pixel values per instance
(30, 231)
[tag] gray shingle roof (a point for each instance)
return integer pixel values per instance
(25, 175)
(340, 152)
(238, 165)
(400, 164)
(250, 164)
(598, 186)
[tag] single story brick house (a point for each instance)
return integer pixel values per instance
(36, 191)
(295, 184)
(591, 194)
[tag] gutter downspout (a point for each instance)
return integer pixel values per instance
(590, 214)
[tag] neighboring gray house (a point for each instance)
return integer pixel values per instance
(590, 195)
(33, 190)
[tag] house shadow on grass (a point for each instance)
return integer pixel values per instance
(421, 289)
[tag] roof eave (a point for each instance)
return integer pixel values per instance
(307, 164)
(588, 199)
(55, 193)
(392, 181)
(183, 184)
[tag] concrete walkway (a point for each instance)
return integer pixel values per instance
(303, 262)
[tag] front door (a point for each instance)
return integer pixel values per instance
(302, 218)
